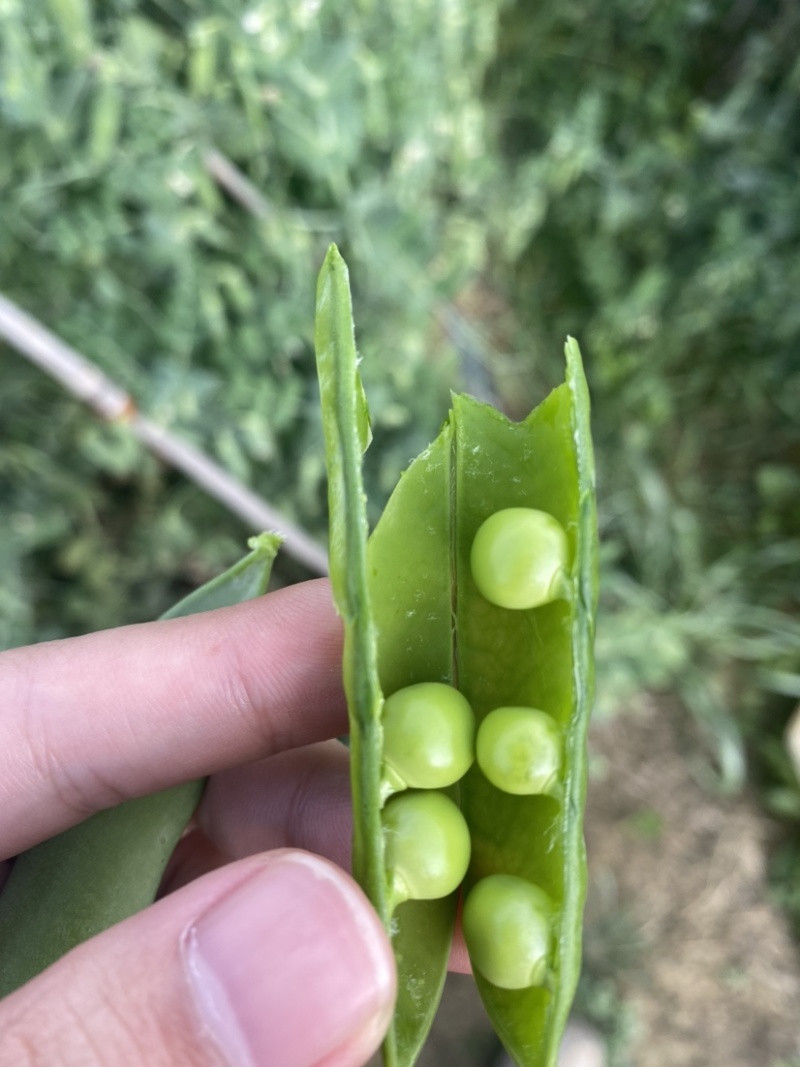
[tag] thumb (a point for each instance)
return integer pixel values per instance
(276, 961)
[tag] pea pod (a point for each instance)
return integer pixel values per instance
(413, 613)
(539, 658)
(99, 872)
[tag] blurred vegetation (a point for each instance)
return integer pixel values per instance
(360, 123)
(498, 175)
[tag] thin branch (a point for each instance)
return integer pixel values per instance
(239, 188)
(234, 182)
(89, 384)
(472, 349)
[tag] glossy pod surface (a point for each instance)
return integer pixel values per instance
(414, 613)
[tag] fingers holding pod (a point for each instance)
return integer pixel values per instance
(276, 960)
(297, 799)
(93, 720)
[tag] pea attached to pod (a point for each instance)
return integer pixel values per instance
(519, 750)
(428, 737)
(519, 558)
(506, 924)
(427, 845)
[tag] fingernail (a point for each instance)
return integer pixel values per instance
(292, 969)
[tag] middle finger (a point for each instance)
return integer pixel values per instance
(296, 799)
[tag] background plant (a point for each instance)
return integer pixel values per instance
(116, 235)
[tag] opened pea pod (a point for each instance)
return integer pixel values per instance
(469, 613)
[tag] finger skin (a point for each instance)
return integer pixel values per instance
(277, 961)
(298, 799)
(91, 721)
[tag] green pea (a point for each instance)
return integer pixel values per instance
(506, 924)
(519, 750)
(519, 558)
(427, 846)
(428, 737)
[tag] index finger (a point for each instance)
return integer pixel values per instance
(91, 721)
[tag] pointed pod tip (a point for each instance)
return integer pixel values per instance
(266, 544)
(333, 257)
(333, 273)
(572, 350)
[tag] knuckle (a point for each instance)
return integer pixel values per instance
(76, 786)
(303, 805)
(23, 1036)
(241, 693)
(43, 761)
(18, 1049)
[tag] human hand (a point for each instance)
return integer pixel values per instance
(269, 959)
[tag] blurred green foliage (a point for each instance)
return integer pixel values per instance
(358, 122)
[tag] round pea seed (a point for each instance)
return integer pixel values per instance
(428, 736)
(506, 927)
(519, 558)
(427, 845)
(519, 750)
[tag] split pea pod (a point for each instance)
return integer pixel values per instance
(73, 886)
(430, 598)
